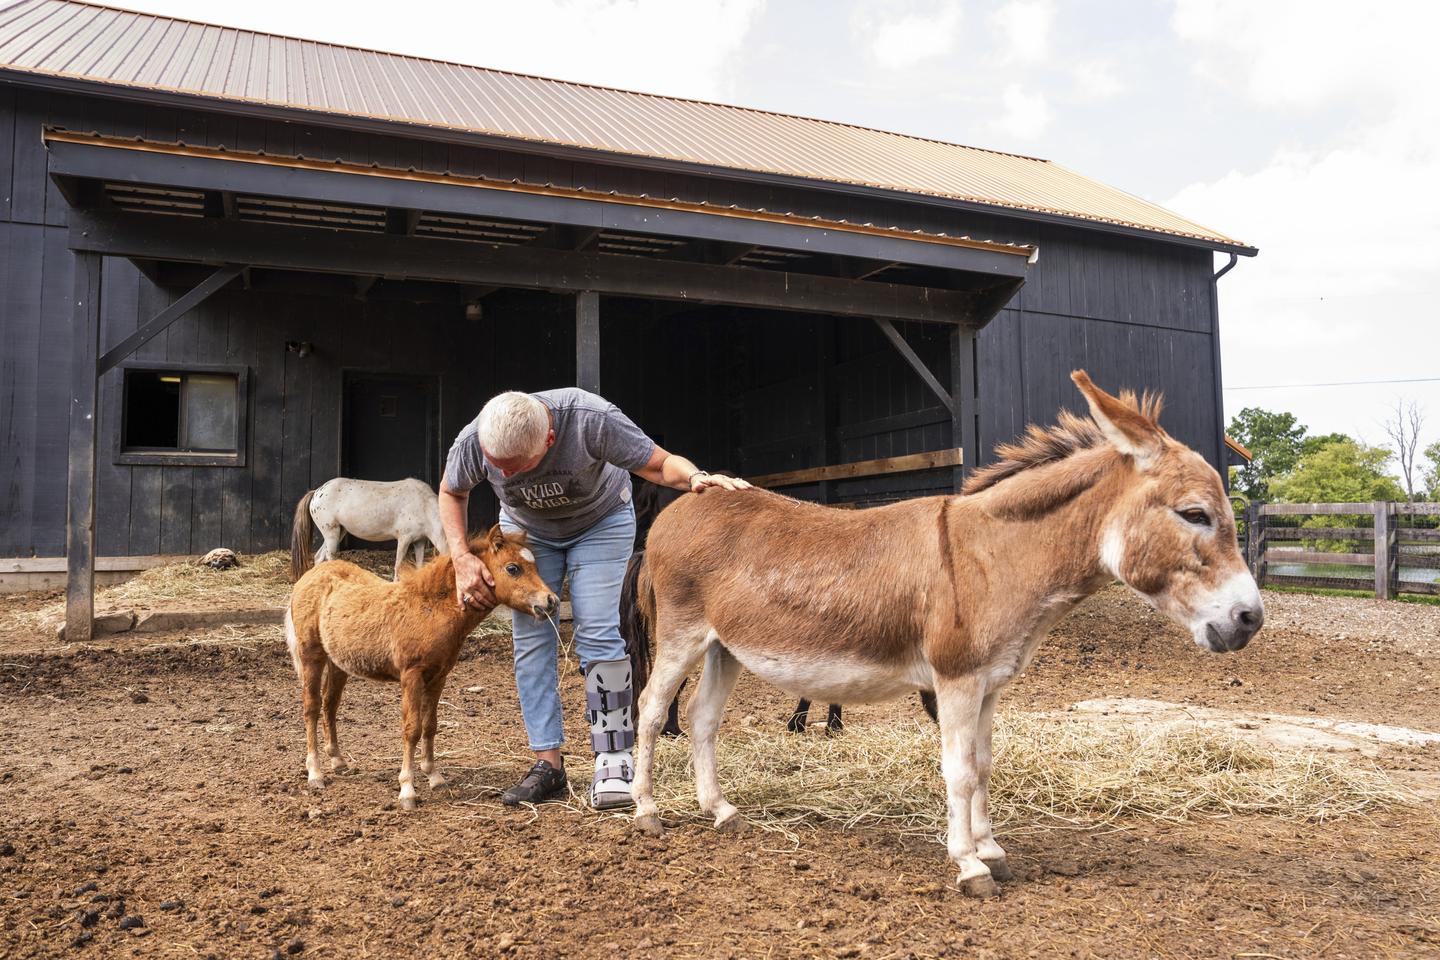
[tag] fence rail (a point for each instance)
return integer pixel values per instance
(1269, 540)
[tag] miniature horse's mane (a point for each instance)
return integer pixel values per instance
(435, 576)
(1046, 445)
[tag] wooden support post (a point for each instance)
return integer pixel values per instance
(587, 340)
(964, 419)
(80, 514)
(1387, 550)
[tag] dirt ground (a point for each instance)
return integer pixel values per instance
(162, 778)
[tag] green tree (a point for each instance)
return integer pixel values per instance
(1339, 472)
(1432, 471)
(1274, 439)
(1310, 445)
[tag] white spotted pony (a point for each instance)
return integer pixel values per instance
(405, 511)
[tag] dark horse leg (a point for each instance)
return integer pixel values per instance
(798, 719)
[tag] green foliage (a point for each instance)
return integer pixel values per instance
(1312, 444)
(1275, 440)
(1339, 472)
(1432, 472)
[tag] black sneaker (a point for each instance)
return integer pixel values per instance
(542, 783)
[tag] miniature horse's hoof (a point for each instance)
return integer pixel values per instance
(1000, 870)
(733, 823)
(338, 765)
(649, 824)
(315, 783)
(436, 781)
(982, 887)
(407, 803)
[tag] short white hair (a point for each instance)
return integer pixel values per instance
(513, 424)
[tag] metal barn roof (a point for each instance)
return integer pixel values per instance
(89, 42)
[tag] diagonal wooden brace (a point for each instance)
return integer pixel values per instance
(169, 315)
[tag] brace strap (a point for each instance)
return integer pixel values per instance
(600, 701)
(613, 773)
(610, 741)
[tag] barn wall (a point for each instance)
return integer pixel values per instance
(746, 390)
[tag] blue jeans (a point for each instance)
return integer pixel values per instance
(595, 562)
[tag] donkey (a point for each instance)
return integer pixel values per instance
(951, 594)
(650, 499)
(345, 620)
(405, 511)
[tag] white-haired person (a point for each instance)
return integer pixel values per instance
(560, 463)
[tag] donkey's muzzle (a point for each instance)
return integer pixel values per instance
(1244, 622)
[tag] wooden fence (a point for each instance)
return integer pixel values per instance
(1274, 534)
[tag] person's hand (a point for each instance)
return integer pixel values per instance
(474, 587)
(702, 480)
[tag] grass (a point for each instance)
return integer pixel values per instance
(1421, 598)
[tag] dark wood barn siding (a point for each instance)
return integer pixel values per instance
(751, 391)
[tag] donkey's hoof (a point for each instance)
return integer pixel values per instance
(1000, 870)
(730, 823)
(437, 781)
(315, 783)
(649, 824)
(982, 887)
(407, 803)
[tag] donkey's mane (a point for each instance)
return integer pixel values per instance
(1044, 445)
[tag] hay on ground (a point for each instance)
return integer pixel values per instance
(1048, 771)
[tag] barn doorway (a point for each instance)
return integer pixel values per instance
(390, 427)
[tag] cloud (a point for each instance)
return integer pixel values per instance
(900, 40)
(1024, 30)
(1023, 115)
(1096, 80)
(1347, 227)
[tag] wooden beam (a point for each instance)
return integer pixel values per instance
(916, 364)
(458, 261)
(964, 417)
(169, 315)
(199, 168)
(80, 471)
(402, 222)
(587, 341)
(863, 468)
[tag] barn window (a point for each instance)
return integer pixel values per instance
(183, 416)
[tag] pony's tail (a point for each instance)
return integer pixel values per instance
(301, 533)
(637, 616)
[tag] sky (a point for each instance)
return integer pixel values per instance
(1307, 128)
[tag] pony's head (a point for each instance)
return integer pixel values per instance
(1169, 533)
(512, 567)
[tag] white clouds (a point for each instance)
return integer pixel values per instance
(899, 41)
(1096, 80)
(1349, 228)
(658, 46)
(1024, 30)
(1024, 115)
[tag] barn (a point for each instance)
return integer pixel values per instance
(236, 265)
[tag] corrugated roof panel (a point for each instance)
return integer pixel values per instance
(88, 41)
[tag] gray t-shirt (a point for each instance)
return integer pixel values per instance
(583, 476)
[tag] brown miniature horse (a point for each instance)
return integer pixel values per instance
(345, 620)
(951, 594)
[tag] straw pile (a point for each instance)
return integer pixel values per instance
(1048, 772)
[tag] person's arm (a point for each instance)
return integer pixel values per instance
(472, 579)
(672, 470)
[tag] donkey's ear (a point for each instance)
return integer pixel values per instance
(1126, 428)
(496, 537)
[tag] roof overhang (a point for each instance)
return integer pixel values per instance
(828, 266)
(444, 134)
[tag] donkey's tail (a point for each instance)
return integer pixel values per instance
(301, 533)
(637, 618)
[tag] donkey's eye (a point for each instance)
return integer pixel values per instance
(513, 569)
(1196, 516)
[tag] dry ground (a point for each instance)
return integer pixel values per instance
(162, 777)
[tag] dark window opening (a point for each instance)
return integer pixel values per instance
(195, 415)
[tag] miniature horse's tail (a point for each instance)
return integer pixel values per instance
(301, 533)
(637, 618)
